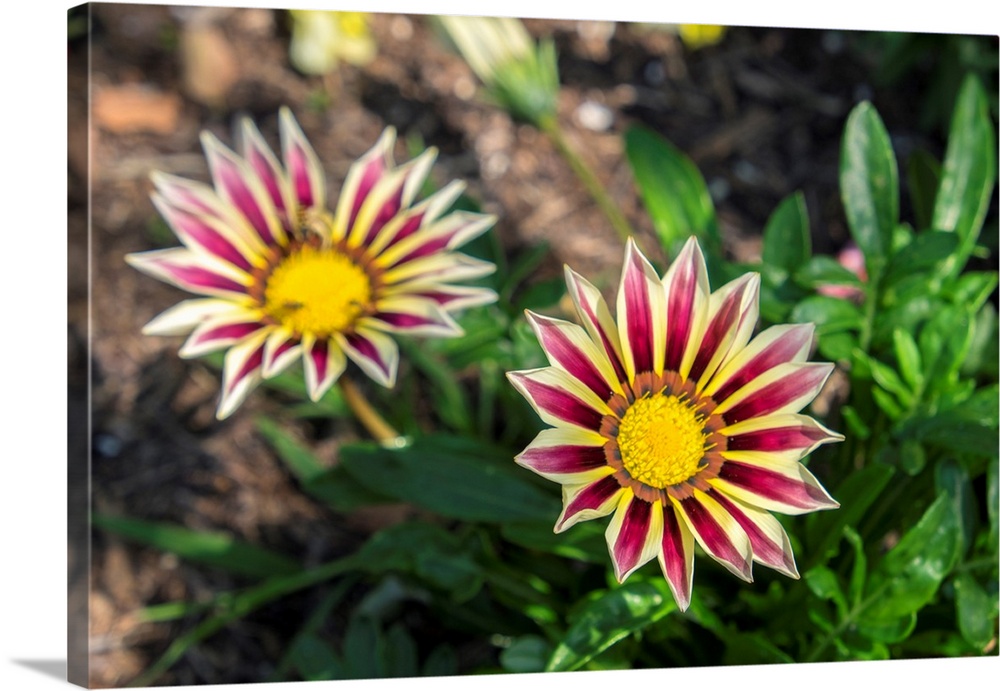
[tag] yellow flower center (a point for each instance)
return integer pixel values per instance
(662, 441)
(318, 291)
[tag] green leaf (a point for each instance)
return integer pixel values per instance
(891, 630)
(824, 584)
(859, 572)
(673, 190)
(429, 552)
(973, 288)
(856, 494)
(823, 270)
(829, 314)
(584, 542)
(969, 173)
(886, 377)
(944, 342)
(299, 460)
(976, 611)
(611, 617)
(442, 662)
(909, 575)
(213, 549)
(744, 648)
(315, 660)
(951, 478)
(333, 486)
(787, 243)
(908, 358)
(452, 476)
(927, 249)
(869, 184)
(526, 654)
(400, 653)
(924, 175)
(363, 649)
(993, 498)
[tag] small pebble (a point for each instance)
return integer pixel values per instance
(594, 116)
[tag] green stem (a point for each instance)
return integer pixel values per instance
(366, 414)
(241, 606)
(845, 623)
(871, 308)
(550, 126)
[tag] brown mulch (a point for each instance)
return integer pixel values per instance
(760, 114)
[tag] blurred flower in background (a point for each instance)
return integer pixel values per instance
(697, 36)
(520, 75)
(282, 279)
(852, 259)
(321, 39)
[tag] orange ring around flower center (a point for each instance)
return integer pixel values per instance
(663, 439)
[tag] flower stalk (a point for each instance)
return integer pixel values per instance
(382, 431)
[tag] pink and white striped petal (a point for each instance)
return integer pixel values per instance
(265, 164)
(687, 300)
(732, 316)
(642, 325)
(676, 556)
(762, 480)
(391, 194)
(775, 346)
(440, 267)
(203, 233)
(362, 177)
(305, 174)
(282, 348)
(194, 272)
(790, 437)
(718, 533)
(451, 298)
(241, 372)
(324, 362)
(559, 399)
(589, 500)
(373, 351)
(221, 332)
(453, 231)
(783, 389)
(183, 317)
(415, 316)
(770, 543)
(566, 455)
(411, 219)
(596, 317)
(570, 348)
(236, 183)
(634, 534)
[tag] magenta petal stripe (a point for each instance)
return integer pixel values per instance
(204, 233)
(280, 351)
(775, 346)
(637, 305)
(730, 323)
(542, 389)
(562, 460)
(787, 493)
(264, 163)
(305, 174)
(374, 352)
(596, 317)
(677, 557)
(186, 270)
(634, 535)
(566, 345)
(771, 550)
(686, 286)
(789, 433)
(784, 389)
(592, 500)
(241, 372)
(234, 182)
(728, 544)
(216, 335)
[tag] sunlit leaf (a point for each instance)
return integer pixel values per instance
(608, 619)
(869, 185)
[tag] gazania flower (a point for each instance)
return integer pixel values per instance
(281, 278)
(676, 421)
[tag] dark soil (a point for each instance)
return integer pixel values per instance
(760, 113)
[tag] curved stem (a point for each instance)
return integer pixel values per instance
(550, 126)
(366, 414)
